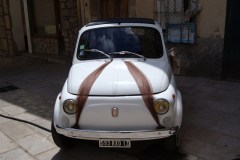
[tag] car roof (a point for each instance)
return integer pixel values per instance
(121, 20)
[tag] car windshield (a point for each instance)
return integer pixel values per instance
(120, 42)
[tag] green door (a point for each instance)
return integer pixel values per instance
(231, 58)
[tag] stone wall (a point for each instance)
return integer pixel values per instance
(6, 37)
(69, 25)
(211, 19)
(204, 58)
(45, 45)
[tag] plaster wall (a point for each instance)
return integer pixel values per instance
(211, 20)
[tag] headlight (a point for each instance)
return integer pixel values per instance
(161, 106)
(69, 106)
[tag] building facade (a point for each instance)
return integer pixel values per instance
(194, 29)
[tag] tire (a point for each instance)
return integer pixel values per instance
(172, 143)
(60, 140)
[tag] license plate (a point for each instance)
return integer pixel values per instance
(115, 143)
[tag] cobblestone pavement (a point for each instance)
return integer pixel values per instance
(211, 128)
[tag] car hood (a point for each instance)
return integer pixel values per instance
(116, 80)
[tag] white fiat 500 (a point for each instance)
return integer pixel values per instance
(120, 87)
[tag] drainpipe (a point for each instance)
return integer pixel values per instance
(27, 26)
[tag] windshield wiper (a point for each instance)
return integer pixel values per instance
(128, 52)
(98, 51)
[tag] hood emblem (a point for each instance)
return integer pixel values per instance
(115, 112)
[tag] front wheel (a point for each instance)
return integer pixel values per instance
(60, 140)
(172, 143)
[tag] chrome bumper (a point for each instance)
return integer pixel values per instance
(132, 135)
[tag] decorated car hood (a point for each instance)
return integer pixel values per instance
(116, 80)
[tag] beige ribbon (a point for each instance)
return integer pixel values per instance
(145, 89)
(140, 78)
(84, 91)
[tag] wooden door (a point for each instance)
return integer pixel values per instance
(114, 9)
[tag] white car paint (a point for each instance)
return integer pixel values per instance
(115, 87)
(117, 80)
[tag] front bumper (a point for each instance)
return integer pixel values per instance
(132, 135)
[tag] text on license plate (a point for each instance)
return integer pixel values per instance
(115, 143)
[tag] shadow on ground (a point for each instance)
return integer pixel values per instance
(37, 87)
(139, 151)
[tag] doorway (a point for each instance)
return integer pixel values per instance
(44, 22)
(231, 57)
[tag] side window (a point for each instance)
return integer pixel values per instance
(84, 41)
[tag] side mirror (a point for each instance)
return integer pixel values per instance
(174, 61)
(171, 55)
